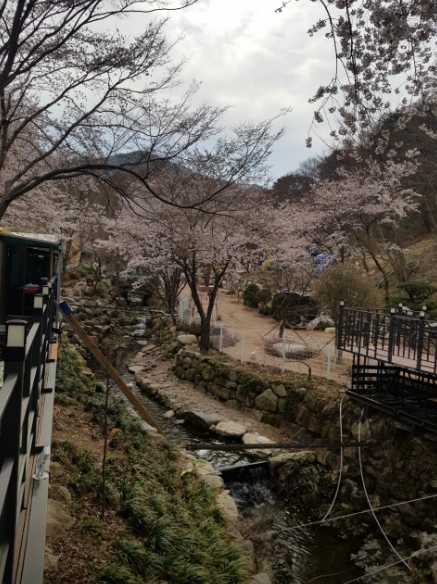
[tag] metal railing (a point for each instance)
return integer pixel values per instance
(28, 378)
(396, 338)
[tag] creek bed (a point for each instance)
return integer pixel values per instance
(297, 556)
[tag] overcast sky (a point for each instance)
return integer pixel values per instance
(258, 62)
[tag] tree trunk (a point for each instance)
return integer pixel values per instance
(3, 208)
(205, 334)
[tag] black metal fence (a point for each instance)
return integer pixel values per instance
(406, 340)
(28, 379)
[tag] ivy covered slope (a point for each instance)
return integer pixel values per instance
(160, 524)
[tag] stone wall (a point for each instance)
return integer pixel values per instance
(275, 396)
(398, 464)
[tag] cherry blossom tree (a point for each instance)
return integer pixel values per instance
(351, 216)
(202, 246)
(79, 98)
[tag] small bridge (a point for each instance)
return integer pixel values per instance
(29, 284)
(394, 362)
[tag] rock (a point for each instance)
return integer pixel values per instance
(61, 494)
(255, 438)
(200, 420)
(207, 473)
(228, 507)
(58, 519)
(261, 578)
(320, 323)
(282, 406)
(299, 458)
(186, 339)
(271, 419)
(285, 350)
(134, 369)
(280, 390)
(267, 401)
(170, 414)
(230, 429)
(301, 391)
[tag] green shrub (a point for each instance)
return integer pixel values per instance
(343, 283)
(251, 295)
(70, 376)
(294, 308)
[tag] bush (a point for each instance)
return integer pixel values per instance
(415, 295)
(293, 308)
(347, 284)
(251, 295)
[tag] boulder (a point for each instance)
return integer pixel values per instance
(228, 507)
(255, 438)
(170, 414)
(320, 323)
(293, 458)
(207, 473)
(267, 401)
(230, 429)
(200, 420)
(285, 350)
(187, 339)
(134, 369)
(280, 390)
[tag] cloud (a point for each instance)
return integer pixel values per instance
(258, 62)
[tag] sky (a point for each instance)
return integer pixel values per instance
(257, 62)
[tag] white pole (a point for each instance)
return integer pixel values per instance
(221, 338)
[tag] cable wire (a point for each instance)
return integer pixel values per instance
(369, 502)
(387, 566)
(363, 512)
(340, 472)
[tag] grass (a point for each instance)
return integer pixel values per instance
(169, 526)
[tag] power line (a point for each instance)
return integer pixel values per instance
(387, 566)
(369, 502)
(340, 473)
(364, 512)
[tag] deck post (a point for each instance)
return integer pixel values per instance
(391, 335)
(420, 339)
(339, 330)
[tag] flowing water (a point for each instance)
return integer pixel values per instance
(297, 556)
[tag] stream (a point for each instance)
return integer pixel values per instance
(294, 556)
(297, 556)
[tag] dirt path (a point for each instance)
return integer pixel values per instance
(252, 328)
(153, 373)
